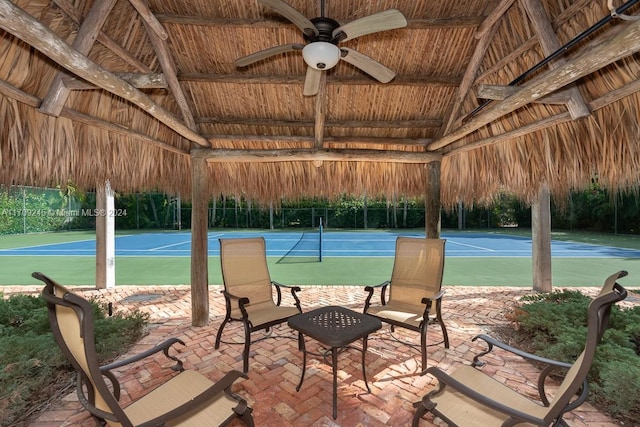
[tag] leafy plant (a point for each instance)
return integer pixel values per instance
(553, 325)
(32, 367)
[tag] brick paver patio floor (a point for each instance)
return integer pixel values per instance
(275, 364)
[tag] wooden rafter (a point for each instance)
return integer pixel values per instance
(314, 155)
(149, 18)
(549, 42)
(374, 124)
(23, 26)
(157, 36)
(310, 140)
(137, 80)
(484, 33)
(566, 14)
(499, 93)
(545, 123)
(461, 22)
(86, 37)
(239, 78)
(75, 15)
(12, 92)
(624, 43)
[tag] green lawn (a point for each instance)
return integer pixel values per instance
(73, 270)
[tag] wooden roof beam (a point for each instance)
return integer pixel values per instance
(106, 41)
(550, 43)
(243, 78)
(310, 141)
(374, 124)
(489, 22)
(626, 42)
(12, 92)
(596, 104)
(564, 16)
(25, 27)
(158, 37)
(86, 37)
(137, 80)
(313, 155)
(472, 68)
(438, 23)
(500, 93)
(484, 34)
(149, 18)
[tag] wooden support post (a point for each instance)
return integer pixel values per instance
(541, 240)
(105, 238)
(432, 201)
(199, 243)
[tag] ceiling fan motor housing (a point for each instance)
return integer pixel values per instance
(322, 53)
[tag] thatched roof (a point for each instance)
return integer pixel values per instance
(159, 87)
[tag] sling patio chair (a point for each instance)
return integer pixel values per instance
(416, 282)
(248, 291)
(469, 397)
(186, 399)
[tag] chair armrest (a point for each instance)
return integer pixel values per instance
(446, 380)
(545, 372)
(222, 385)
(371, 290)
(437, 296)
(163, 346)
(492, 342)
(293, 288)
(242, 301)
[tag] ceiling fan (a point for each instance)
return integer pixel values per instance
(322, 35)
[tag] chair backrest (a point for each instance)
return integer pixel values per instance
(597, 322)
(244, 269)
(417, 269)
(71, 320)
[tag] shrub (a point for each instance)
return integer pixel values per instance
(32, 367)
(554, 324)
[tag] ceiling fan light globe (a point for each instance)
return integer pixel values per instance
(321, 55)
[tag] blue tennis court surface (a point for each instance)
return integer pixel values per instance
(334, 244)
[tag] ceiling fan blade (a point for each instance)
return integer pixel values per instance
(387, 20)
(368, 65)
(263, 54)
(312, 82)
(300, 21)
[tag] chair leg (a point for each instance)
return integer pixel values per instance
(247, 418)
(219, 334)
(420, 411)
(423, 346)
(247, 345)
(445, 335)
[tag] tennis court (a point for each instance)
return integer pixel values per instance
(331, 243)
(362, 257)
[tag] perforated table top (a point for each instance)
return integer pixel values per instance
(334, 326)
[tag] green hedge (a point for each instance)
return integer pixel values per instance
(32, 367)
(553, 325)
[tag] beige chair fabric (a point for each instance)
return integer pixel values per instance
(416, 282)
(188, 399)
(249, 290)
(468, 397)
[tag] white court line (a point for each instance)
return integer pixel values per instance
(175, 244)
(163, 247)
(46, 244)
(471, 246)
